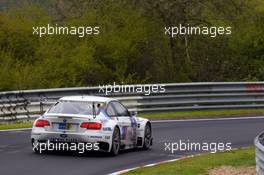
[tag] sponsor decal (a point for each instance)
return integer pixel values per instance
(97, 137)
(107, 129)
(124, 132)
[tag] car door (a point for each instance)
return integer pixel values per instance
(127, 124)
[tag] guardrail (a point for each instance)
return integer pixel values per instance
(179, 96)
(259, 144)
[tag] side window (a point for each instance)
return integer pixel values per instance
(120, 109)
(110, 110)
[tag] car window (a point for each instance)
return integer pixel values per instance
(75, 107)
(110, 110)
(120, 109)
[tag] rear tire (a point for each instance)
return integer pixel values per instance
(147, 137)
(36, 148)
(115, 142)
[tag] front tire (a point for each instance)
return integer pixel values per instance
(147, 137)
(115, 142)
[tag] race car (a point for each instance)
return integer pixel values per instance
(104, 122)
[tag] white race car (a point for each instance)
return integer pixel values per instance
(103, 122)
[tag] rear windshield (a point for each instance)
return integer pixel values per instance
(76, 107)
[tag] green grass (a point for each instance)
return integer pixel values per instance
(204, 114)
(201, 164)
(15, 125)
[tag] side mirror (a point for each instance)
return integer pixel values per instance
(133, 113)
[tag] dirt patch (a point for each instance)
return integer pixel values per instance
(229, 170)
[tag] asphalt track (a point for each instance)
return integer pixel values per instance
(16, 156)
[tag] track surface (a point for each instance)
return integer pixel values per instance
(16, 156)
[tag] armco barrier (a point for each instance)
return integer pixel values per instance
(177, 96)
(259, 144)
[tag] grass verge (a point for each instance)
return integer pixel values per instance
(201, 164)
(204, 114)
(15, 125)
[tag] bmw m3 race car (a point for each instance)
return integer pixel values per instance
(104, 123)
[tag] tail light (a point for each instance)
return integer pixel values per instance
(91, 125)
(42, 123)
